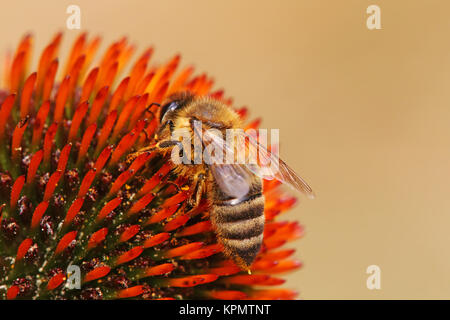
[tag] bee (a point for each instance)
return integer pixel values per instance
(234, 191)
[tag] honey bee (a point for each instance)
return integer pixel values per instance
(233, 191)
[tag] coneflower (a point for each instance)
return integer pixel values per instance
(69, 197)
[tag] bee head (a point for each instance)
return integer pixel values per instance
(174, 104)
(168, 108)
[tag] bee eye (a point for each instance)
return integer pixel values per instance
(167, 108)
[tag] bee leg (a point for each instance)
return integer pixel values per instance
(136, 154)
(171, 143)
(159, 146)
(197, 193)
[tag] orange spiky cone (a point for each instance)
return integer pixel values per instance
(68, 197)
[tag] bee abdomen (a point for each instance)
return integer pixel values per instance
(240, 227)
(246, 249)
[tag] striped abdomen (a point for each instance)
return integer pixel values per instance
(239, 223)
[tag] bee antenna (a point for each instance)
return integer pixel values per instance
(146, 135)
(151, 105)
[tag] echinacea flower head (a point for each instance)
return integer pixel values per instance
(69, 198)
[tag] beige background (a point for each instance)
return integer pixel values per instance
(364, 116)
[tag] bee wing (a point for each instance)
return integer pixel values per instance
(233, 180)
(276, 168)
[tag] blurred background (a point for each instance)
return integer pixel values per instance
(364, 116)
